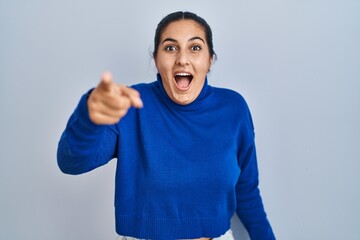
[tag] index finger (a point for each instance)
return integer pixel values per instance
(106, 81)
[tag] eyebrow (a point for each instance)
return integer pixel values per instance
(191, 39)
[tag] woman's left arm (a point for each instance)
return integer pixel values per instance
(250, 208)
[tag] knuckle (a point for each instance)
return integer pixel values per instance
(122, 113)
(94, 118)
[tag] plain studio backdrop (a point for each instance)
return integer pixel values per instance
(297, 63)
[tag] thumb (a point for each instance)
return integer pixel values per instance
(133, 95)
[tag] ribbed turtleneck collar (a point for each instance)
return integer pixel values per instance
(196, 104)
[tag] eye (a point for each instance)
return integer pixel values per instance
(170, 48)
(195, 48)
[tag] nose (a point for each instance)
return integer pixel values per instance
(182, 58)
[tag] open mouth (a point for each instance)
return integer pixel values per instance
(183, 80)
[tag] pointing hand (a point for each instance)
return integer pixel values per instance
(109, 101)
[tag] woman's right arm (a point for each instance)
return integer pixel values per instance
(89, 140)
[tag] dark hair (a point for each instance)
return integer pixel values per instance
(177, 16)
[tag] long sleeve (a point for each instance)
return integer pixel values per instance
(250, 208)
(84, 145)
(167, 152)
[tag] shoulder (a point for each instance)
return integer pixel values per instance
(143, 87)
(230, 97)
(234, 105)
(146, 90)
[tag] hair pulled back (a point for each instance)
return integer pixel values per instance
(177, 16)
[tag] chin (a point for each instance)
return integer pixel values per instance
(183, 101)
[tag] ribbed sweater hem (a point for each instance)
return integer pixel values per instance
(169, 228)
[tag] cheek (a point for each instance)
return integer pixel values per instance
(203, 65)
(163, 65)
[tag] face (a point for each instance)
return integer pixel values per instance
(183, 60)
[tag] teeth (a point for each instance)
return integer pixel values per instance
(183, 74)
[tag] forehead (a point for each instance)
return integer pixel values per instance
(183, 29)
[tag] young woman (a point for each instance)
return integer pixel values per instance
(185, 150)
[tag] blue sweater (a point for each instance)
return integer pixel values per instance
(182, 170)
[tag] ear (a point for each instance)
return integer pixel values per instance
(211, 60)
(155, 61)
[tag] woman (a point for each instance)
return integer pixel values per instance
(186, 159)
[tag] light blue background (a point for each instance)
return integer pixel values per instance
(296, 62)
